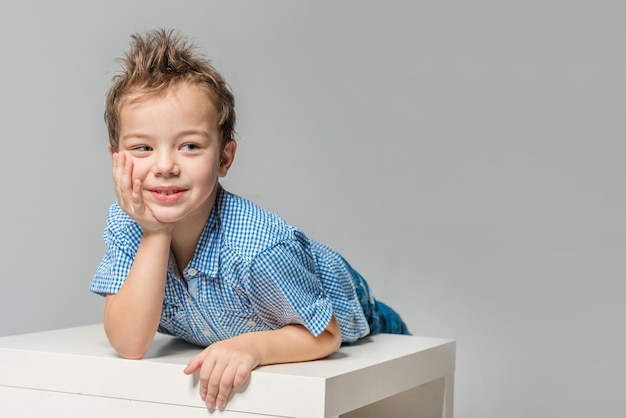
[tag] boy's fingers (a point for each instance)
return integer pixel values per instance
(213, 381)
(242, 375)
(128, 191)
(136, 194)
(127, 175)
(203, 391)
(194, 364)
(225, 387)
(121, 176)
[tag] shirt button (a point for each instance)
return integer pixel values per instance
(206, 332)
(251, 323)
(192, 271)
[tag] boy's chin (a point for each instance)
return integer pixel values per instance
(168, 217)
(180, 213)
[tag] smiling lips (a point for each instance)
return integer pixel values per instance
(167, 194)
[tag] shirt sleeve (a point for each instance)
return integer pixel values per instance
(122, 241)
(284, 287)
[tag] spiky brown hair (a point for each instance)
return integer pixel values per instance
(157, 60)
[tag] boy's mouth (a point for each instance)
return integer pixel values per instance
(167, 191)
(167, 195)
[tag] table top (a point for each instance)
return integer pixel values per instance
(80, 360)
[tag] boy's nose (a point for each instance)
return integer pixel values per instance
(166, 165)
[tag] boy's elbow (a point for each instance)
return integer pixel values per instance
(130, 350)
(131, 353)
(126, 347)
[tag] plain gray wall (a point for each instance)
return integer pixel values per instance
(466, 156)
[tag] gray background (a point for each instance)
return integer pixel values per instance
(465, 156)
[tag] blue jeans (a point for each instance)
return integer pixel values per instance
(380, 317)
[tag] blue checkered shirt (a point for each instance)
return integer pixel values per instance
(251, 271)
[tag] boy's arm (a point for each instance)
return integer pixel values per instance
(226, 365)
(131, 317)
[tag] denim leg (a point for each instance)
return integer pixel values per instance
(380, 317)
(389, 321)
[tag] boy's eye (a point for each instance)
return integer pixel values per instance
(189, 147)
(142, 148)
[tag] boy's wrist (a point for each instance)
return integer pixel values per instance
(157, 235)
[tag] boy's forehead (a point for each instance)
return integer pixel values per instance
(136, 95)
(176, 95)
(182, 108)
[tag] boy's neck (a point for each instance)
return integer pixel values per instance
(187, 233)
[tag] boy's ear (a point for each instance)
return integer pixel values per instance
(110, 150)
(227, 158)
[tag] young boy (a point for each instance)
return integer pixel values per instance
(187, 258)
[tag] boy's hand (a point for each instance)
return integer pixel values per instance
(224, 366)
(130, 195)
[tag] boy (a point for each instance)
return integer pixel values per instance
(187, 258)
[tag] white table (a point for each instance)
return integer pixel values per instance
(73, 372)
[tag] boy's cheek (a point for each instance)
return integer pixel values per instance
(140, 172)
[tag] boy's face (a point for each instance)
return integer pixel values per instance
(175, 146)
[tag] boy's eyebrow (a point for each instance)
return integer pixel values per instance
(135, 135)
(186, 132)
(189, 132)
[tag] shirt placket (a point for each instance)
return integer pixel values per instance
(199, 317)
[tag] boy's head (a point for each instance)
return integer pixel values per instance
(155, 62)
